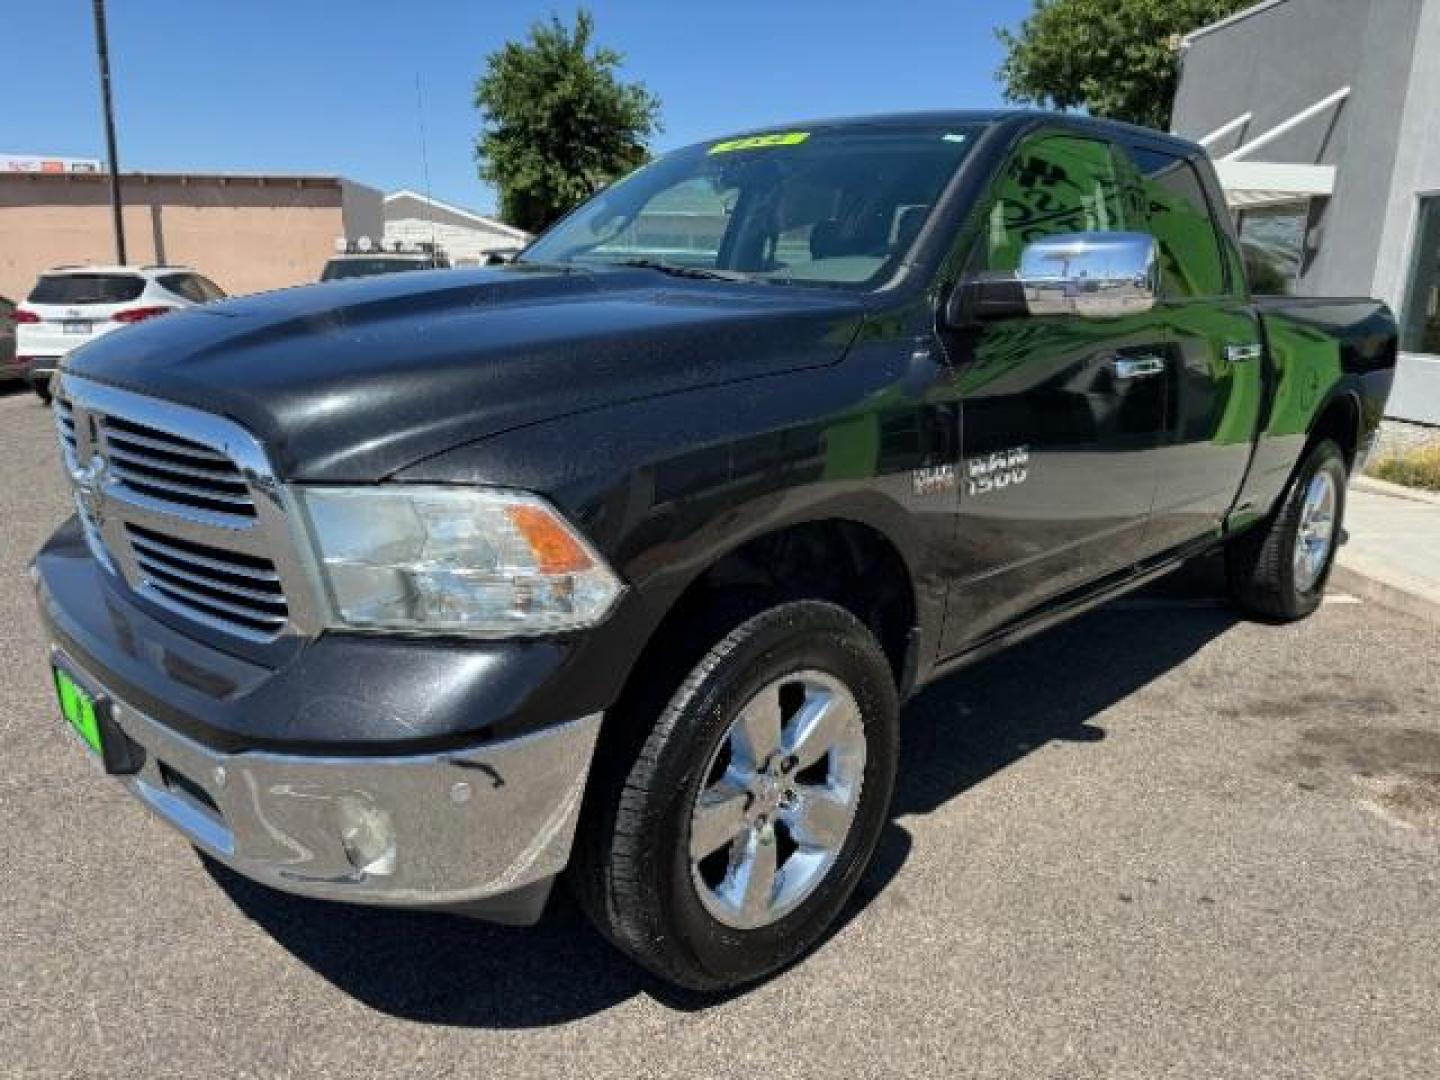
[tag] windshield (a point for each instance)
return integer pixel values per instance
(836, 207)
(347, 268)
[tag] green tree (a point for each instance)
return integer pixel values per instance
(557, 123)
(1115, 58)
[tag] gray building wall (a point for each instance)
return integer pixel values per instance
(1417, 162)
(1282, 58)
(1416, 393)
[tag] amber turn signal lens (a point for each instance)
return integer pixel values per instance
(555, 550)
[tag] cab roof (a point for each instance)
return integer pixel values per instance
(1017, 119)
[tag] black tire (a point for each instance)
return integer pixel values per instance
(1260, 563)
(631, 869)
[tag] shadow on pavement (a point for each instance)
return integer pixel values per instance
(442, 969)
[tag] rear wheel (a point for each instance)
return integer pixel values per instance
(1279, 569)
(725, 847)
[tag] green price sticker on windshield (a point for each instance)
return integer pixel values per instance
(761, 142)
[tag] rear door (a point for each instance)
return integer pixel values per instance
(1215, 381)
(1058, 433)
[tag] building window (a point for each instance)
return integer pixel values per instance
(1420, 318)
(1273, 242)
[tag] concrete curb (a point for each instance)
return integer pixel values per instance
(1383, 585)
(1396, 491)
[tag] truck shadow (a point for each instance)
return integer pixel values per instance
(442, 969)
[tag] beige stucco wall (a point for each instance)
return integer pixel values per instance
(243, 234)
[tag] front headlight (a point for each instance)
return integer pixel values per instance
(489, 563)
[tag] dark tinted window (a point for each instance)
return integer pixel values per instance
(1272, 244)
(192, 287)
(183, 285)
(1054, 184)
(1181, 224)
(1420, 324)
(208, 288)
(348, 268)
(86, 289)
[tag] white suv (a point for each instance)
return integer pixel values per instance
(72, 305)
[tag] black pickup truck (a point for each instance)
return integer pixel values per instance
(419, 590)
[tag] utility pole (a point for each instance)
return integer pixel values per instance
(102, 51)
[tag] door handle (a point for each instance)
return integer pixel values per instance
(1237, 354)
(1137, 367)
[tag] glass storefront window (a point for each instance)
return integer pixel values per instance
(1420, 318)
(1273, 242)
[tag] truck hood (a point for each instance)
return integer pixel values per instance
(354, 380)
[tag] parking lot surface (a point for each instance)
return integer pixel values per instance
(1158, 841)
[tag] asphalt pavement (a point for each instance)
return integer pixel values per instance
(1159, 841)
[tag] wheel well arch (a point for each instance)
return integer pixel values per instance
(1339, 420)
(844, 561)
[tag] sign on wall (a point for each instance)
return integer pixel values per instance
(37, 163)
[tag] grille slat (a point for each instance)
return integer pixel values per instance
(215, 610)
(256, 598)
(157, 439)
(160, 550)
(65, 424)
(160, 486)
(120, 453)
(160, 465)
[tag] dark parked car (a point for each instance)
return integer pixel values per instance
(386, 262)
(10, 369)
(422, 589)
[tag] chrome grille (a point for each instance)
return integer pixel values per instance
(183, 507)
(210, 582)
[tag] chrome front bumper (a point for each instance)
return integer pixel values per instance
(446, 830)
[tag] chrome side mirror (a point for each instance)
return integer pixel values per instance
(1096, 275)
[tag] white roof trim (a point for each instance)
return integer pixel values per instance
(1285, 126)
(1225, 129)
(1266, 183)
(1239, 16)
(479, 219)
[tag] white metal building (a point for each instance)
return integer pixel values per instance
(463, 235)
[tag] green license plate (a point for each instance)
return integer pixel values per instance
(78, 707)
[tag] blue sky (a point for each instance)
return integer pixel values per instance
(328, 86)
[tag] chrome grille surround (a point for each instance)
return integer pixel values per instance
(183, 506)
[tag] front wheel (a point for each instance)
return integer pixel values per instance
(728, 844)
(1278, 570)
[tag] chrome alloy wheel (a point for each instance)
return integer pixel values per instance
(1315, 534)
(779, 797)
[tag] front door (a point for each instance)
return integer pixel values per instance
(1216, 376)
(1061, 415)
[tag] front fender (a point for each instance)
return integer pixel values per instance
(666, 487)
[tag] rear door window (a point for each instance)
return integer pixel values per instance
(208, 289)
(192, 287)
(87, 289)
(1181, 222)
(182, 285)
